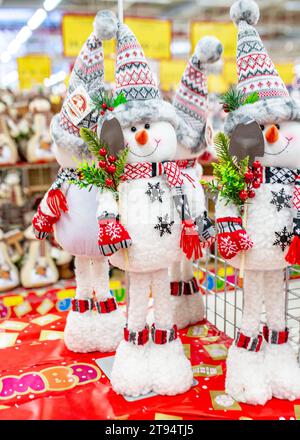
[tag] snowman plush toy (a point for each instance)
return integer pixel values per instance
(261, 362)
(148, 227)
(94, 322)
(195, 135)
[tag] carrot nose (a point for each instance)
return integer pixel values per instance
(272, 134)
(141, 137)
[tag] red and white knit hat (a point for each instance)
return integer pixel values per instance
(257, 73)
(87, 80)
(134, 78)
(191, 98)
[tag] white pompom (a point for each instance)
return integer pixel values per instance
(209, 50)
(105, 25)
(245, 10)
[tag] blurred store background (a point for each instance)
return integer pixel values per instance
(39, 41)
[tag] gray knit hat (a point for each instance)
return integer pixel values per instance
(87, 81)
(134, 79)
(257, 73)
(191, 98)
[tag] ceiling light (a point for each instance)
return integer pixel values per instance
(55, 78)
(24, 34)
(14, 46)
(37, 19)
(49, 5)
(10, 78)
(5, 57)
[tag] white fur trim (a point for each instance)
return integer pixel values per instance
(264, 111)
(245, 10)
(283, 371)
(66, 141)
(195, 306)
(91, 331)
(246, 379)
(193, 139)
(105, 25)
(181, 311)
(151, 110)
(209, 49)
(170, 369)
(78, 333)
(130, 374)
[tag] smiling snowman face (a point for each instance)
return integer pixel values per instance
(150, 141)
(282, 142)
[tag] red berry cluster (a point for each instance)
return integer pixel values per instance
(107, 164)
(104, 108)
(226, 108)
(253, 181)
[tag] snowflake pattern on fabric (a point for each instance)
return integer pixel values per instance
(41, 221)
(245, 242)
(283, 238)
(281, 200)
(164, 225)
(228, 246)
(155, 192)
(113, 230)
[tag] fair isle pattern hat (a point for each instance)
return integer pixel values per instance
(191, 98)
(86, 81)
(133, 75)
(257, 73)
(135, 80)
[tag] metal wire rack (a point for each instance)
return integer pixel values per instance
(224, 297)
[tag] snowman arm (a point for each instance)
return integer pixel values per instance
(224, 209)
(199, 170)
(112, 235)
(231, 235)
(49, 210)
(107, 203)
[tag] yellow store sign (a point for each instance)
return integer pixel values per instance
(170, 73)
(75, 31)
(226, 32)
(155, 36)
(32, 70)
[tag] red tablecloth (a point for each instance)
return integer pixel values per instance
(41, 379)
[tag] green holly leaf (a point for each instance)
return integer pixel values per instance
(252, 98)
(120, 99)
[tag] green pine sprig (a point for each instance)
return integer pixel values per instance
(94, 175)
(234, 99)
(251, 99)
(92, 141)
(105, 98)
(229, 173)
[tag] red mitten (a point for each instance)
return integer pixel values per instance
(112, 235)
(232, 237)
(43, 224)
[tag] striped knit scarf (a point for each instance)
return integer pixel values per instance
(288, 176)
(190, 241)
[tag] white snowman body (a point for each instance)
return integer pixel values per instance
(146, 205)
(269, 221)
(76, 231)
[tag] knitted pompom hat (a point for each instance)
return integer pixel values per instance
(257, 73)
(86, 82)
(190, 100)
(134, 79)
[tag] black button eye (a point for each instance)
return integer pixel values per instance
(147, 126)
(262, 127)
(133, 129)
(277, 126)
